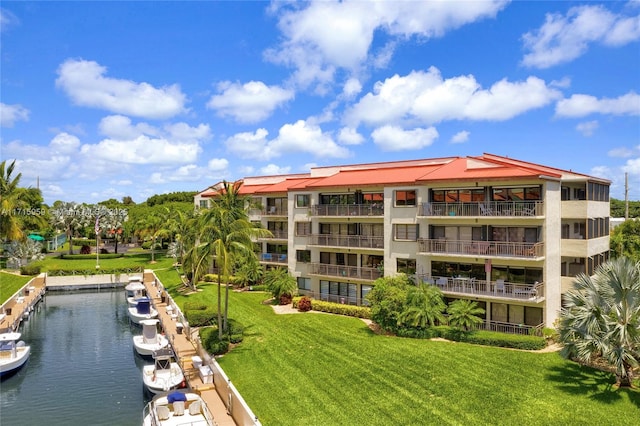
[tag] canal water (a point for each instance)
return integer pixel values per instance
(82, 370)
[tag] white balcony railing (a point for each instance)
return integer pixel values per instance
(353, 241)
(350, 272)
(484, 208)
(347, 210)
(481, 248)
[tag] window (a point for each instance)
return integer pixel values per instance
(302, 200)
(303, 256)
(407, 232)
(406, 266)
(204, 204)
(303, 228)
(304, 283)
(405, 198)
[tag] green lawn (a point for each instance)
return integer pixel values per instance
(320, 369)
(9, 284)
(127, 261)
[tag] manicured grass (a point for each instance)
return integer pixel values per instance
(321, 369)
(128, 261)
(10, 283)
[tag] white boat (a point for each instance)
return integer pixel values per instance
(149, 341)
(135, 291)
(177, 408)
(13, 353)
(142, 311)
(164, 375)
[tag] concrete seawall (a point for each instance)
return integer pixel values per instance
(88, 282)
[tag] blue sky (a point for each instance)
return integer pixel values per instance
(104, 100)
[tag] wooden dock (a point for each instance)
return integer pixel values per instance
(185, 349)
(21, 303)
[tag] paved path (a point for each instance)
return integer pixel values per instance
(185, 349)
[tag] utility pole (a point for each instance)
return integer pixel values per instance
(626, 196)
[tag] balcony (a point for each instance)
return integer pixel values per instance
(273, 258)
(483, 208)
(350, 241)
(275, 211)
(335, 298)
(481, 248)
(276, 235)
(350, 272)
(334, 210)
(498, 289)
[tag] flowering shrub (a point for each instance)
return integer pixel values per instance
(304, 304)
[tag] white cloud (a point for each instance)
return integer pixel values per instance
(325, 36)
(272, 169)
(85, 83)
(427, 98)
(218, 164)
(9, 114)
(587, 128)
(248, 103)
(122, 182)
(54, 161)
(301, 136)
(624, 152)
(7, 19)
(351, 88)
(391, 138)
(564, 38)
(143, 143)
(460, 137)
(350, 136)
(582, 105)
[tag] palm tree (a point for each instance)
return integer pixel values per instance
(154, 226)
(601, 318)
(464, 314)
(10, 228)
(424, 307)
(280, 283)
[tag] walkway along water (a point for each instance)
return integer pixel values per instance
(206, 377)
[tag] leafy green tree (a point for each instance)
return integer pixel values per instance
(625, 240)
(280, 283)
(601, 318)
(154, 226)
(464, 314)
(424, 307)
(387, 300)
(22, 252)
(249, 271)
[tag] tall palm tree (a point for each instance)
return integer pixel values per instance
(225, 235)
(601, 318)
(10, 228)
(424, 307)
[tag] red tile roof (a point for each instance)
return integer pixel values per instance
(378, 176)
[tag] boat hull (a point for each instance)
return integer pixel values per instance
(193, 415)
(162, 380)
(9, 364)
(136, 317)
(147, 349)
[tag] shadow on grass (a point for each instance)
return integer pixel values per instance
(595, 384)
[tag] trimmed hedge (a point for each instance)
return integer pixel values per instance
(336, 308)
(199, 314)
(90, 256)
(30, 270)
(216, 346)
(477, 337)
(113, 271)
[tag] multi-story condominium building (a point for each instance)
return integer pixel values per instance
(506, 233)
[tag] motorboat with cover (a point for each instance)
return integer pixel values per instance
(177, 408)
(164, 375)
(143, 310)
(150, 340)
(135, 291)
(13, 353)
